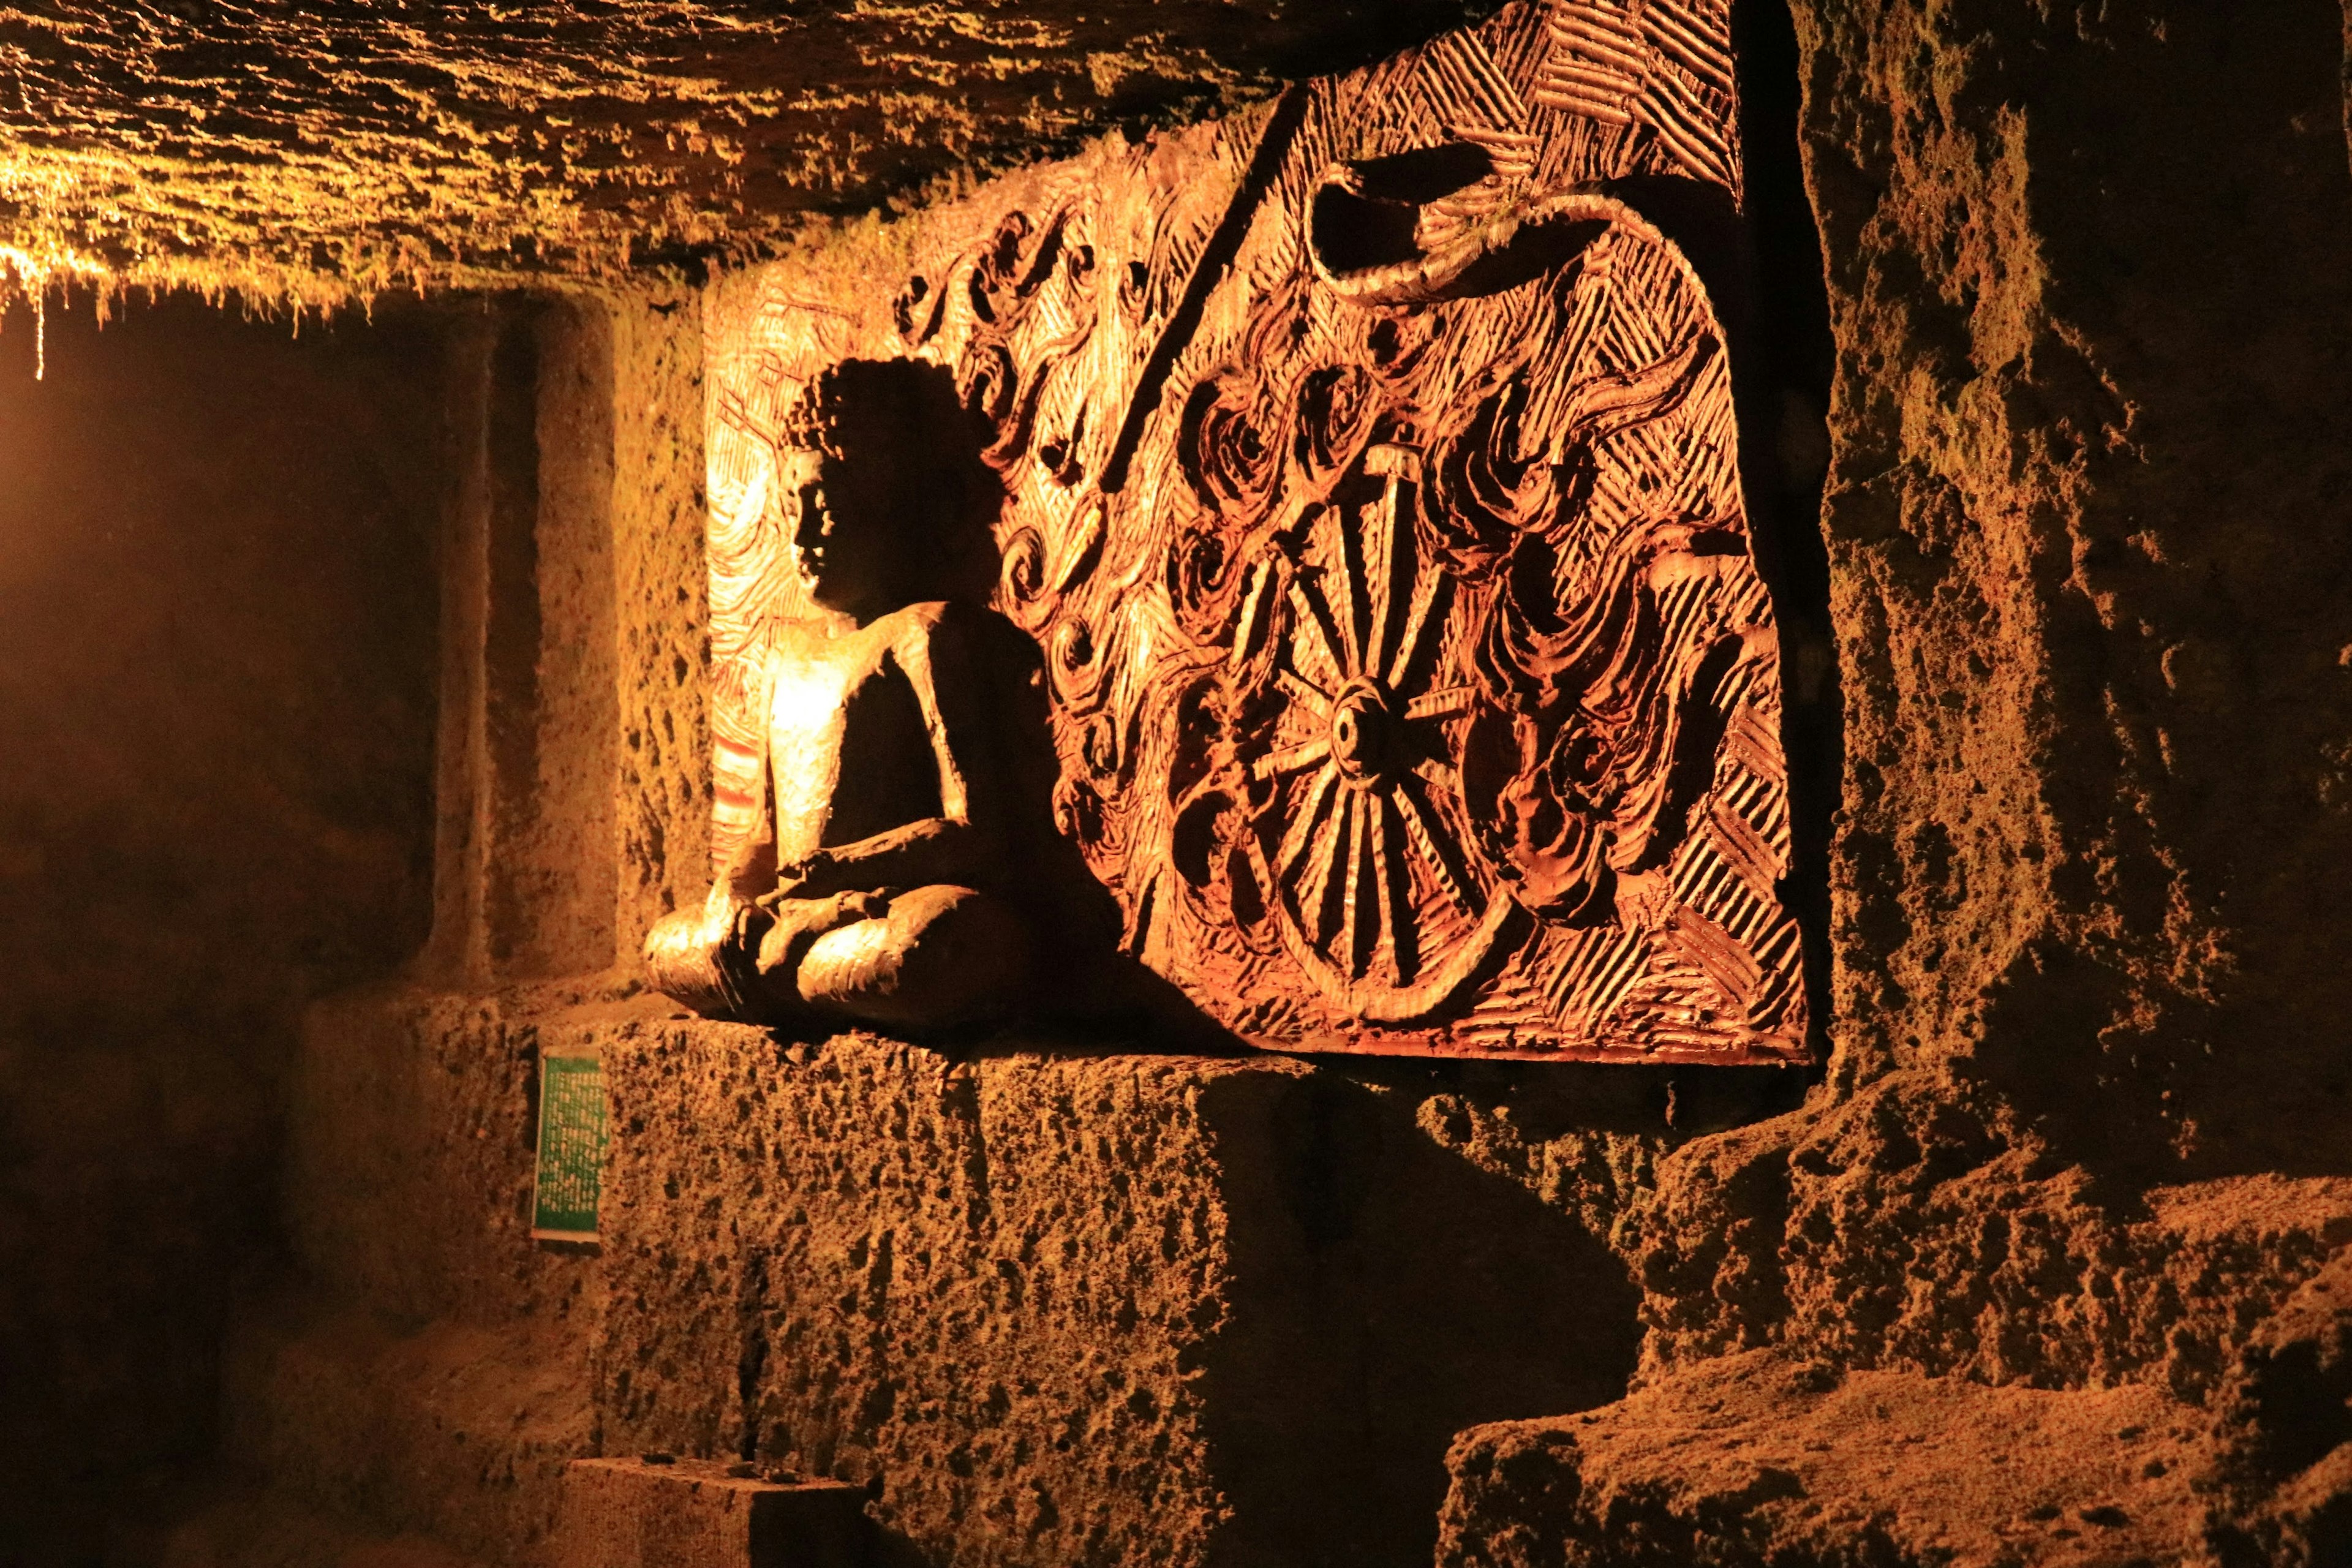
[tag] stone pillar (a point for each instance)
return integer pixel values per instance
(570, 743)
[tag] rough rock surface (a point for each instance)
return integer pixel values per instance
(1071, 1306)
(309, 153)
(1754, 1460)
(2084, 1129)
(2087, 450)
(2288, 1403)
(2084, 943)
(1077, 1308)
(571, 751)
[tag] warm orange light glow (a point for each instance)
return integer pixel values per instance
(32, 275)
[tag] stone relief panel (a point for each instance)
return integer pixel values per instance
(1372, 492)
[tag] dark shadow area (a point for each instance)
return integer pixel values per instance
(2199, 704)
(217, 670)
(1550, 1100)
(1781, 382)
(1326, 39)
(1386, 1294)
(1368, 215)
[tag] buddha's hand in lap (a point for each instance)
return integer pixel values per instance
(778, 927)
(812, 877)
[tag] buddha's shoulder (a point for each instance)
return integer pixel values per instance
(931, 621)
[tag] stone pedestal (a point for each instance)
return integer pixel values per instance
(1077, 1308)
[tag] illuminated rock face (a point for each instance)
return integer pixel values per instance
(1375, 492)
(1076, 1306)
(314, 155)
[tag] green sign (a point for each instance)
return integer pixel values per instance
(570, 1148)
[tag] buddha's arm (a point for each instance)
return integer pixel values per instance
(959, 845)
(751, 871)
(699, 956)
(934, 849)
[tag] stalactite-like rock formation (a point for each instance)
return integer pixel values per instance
(312, 153)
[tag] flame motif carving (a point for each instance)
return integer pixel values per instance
(1374, 499)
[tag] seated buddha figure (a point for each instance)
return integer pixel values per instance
(869, 889)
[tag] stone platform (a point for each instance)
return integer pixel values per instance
(1753, 1460)
(1077, 1308)
(1051, 1303)
(1769, 1459)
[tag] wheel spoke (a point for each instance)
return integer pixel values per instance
(1252, 625)
(1436, 704)
(1435, 847)
(1348, 602)
(1392, 573)
(1395, 896)
(1301, 831)
(1310, 696)
(1326, 882)
(1354, 929)
(1312, 608)
(1290, 759)
(1426, 588)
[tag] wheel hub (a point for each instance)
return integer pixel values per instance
(1361, 732)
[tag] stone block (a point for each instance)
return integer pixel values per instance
(1059, 1304)
(1074, 1307)
(688, 1513)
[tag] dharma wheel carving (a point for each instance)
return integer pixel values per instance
(1373, 496)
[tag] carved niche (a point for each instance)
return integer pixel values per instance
(1374, 498)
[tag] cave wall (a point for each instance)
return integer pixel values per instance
(2083, 538)
(572, 751)
(217, 707)
(2090, 400)
(2084, 1125)
(2080, 1137)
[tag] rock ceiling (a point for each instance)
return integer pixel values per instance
(306, 152)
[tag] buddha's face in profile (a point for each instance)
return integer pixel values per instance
(843, 532)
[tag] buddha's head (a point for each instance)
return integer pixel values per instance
(878, 477)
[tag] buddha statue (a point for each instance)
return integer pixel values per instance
(871, 888)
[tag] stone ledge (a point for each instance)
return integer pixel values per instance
(689, 1513)
(1059, 1305)
(1078, 1307)
(1754, 1460)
